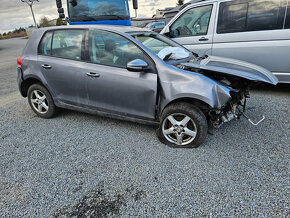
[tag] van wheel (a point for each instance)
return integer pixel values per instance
(41, 101)
(182, 125)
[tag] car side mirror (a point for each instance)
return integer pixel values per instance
(137, 66)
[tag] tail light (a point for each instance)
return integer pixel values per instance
(19, 65)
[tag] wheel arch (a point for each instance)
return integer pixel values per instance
(27, 82)
(194, 101)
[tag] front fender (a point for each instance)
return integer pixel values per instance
(194, 86)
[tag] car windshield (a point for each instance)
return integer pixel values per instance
(165, 48)
(95, 10)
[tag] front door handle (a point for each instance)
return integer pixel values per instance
(203, 39)
(45, 66)
(95, 75)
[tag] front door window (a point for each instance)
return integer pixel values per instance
(194, 22)
(111, 49)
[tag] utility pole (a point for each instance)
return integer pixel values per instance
(30, 3)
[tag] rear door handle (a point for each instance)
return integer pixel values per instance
(45, 66)
(95, 75)
(203, 39)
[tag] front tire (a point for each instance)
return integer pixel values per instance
(41, 101)
(182, 125)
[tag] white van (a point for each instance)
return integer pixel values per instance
(256, 31)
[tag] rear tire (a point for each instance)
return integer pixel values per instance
(182, 125)
(41, 102)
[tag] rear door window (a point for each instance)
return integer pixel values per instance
(45, 45)
(67, 44)
(251, 16)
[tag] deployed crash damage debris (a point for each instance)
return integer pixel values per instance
(237, 76)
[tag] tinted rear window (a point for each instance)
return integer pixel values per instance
(251, 16)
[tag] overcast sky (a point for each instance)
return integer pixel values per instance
(15, 14)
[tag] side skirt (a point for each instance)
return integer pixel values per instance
(106, 114)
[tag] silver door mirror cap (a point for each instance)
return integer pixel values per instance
(137, 65)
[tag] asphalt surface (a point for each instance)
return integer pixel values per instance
(79, 165)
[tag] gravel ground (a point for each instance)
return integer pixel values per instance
(83, 165)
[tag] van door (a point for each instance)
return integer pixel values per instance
(253, 31)
(193, 27)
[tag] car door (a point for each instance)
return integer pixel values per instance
(253, 31)
(193, 28)
(111, 87)
(60, 61)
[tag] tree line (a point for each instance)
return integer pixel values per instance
(21, 32)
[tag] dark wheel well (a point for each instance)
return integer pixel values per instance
(204, 107)
(26, 84)
(196, 102)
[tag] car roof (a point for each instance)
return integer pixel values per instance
(121, 29)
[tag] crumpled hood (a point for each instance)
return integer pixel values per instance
(234, 67)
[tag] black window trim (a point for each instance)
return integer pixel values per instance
(286, 13)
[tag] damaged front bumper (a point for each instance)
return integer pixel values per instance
(234, 109)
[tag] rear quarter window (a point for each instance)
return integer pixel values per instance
(45, 44)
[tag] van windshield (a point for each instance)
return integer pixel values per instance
(97, 10)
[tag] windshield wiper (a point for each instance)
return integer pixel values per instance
(113, 16)
(100, 18)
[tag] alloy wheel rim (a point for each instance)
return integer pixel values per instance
(179, 129)
(39, 101)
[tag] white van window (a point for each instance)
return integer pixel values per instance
(251, 16)
(193, 22)
(233, 18)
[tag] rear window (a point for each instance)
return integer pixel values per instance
(63, 44)
(251, 16)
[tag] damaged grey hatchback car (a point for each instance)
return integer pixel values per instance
(137, 75)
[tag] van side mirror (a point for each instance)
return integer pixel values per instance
(58, 4)
(135, 4)
(137, 66)
(168, 32)
(60, 10)
(61, 16)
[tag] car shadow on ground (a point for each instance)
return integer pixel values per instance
(278, 88)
